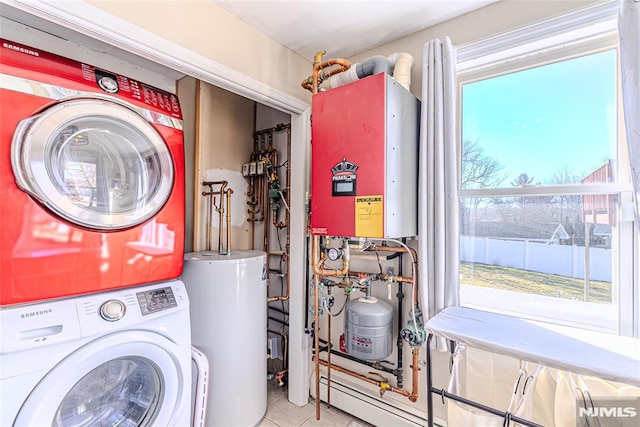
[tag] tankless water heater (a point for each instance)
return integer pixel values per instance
(365, 160)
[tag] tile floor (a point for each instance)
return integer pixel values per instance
(282, 413)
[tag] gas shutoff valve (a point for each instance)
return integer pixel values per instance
(414, 333)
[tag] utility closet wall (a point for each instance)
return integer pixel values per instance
(186, 89)
(224, 141)
(278, 245)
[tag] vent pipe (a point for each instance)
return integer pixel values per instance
(399, 63)
(368, 67)
(402, 63)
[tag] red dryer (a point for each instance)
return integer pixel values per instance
(91, 179)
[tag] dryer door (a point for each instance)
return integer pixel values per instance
(126, 379)
(94, 163)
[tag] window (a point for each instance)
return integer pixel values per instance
(544, 178)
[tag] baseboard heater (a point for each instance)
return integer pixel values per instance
(367, 408)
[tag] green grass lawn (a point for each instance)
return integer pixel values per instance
(513, 279)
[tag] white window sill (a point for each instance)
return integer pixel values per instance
(607, 356)
(562, 311)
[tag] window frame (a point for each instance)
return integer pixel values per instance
(589, 31)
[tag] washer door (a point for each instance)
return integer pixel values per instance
(94, 163)
(127, 379)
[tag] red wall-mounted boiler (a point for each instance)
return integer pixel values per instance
(365, 160)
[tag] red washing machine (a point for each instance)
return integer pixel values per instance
(91, 179)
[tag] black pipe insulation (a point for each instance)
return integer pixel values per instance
(279, 310)
(400, 343)
(276, 128)
(393, 256)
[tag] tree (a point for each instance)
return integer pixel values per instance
(478, 169)
(522, 180)
(567, 204)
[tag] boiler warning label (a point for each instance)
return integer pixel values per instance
(369, 216)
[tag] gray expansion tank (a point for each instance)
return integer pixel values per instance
(369, 328)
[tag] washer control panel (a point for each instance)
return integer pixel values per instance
(112, 310)
(155, 300)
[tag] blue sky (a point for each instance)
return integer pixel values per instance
(540, 120)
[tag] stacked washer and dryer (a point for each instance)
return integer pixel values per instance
(95, 328)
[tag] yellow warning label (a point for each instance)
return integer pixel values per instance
(369, 216)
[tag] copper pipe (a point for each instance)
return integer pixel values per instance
(383, 277)
(316, 328)
(255, 190)
(280, 225)
(316, 339)
(253, 234)
(287, 186)
(392, 278)
(265, 210)
(319, 75)
(209, 221)
(382, 384)
(415, 367)
(288, 180)
(414, 266)
(329, 361)
(287, 217)
(317, 58)
(251, 190)
(312, 82)
(266, 230)
(323, 272)
(317, 65)
(229, 193)
(286, 296)
(210, 193)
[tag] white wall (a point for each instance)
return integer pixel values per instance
(497, 18)
(207, 29)
(224, 141)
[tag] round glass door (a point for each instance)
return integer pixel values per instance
(134, 378)
(130, 386)
(94, 163)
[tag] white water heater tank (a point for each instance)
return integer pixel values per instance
(369, 328)
(228, 295)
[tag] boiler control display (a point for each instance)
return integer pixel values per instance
(156, 300)
(345, 188)
(344, 178)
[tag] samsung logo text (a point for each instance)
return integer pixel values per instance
(36, 313)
